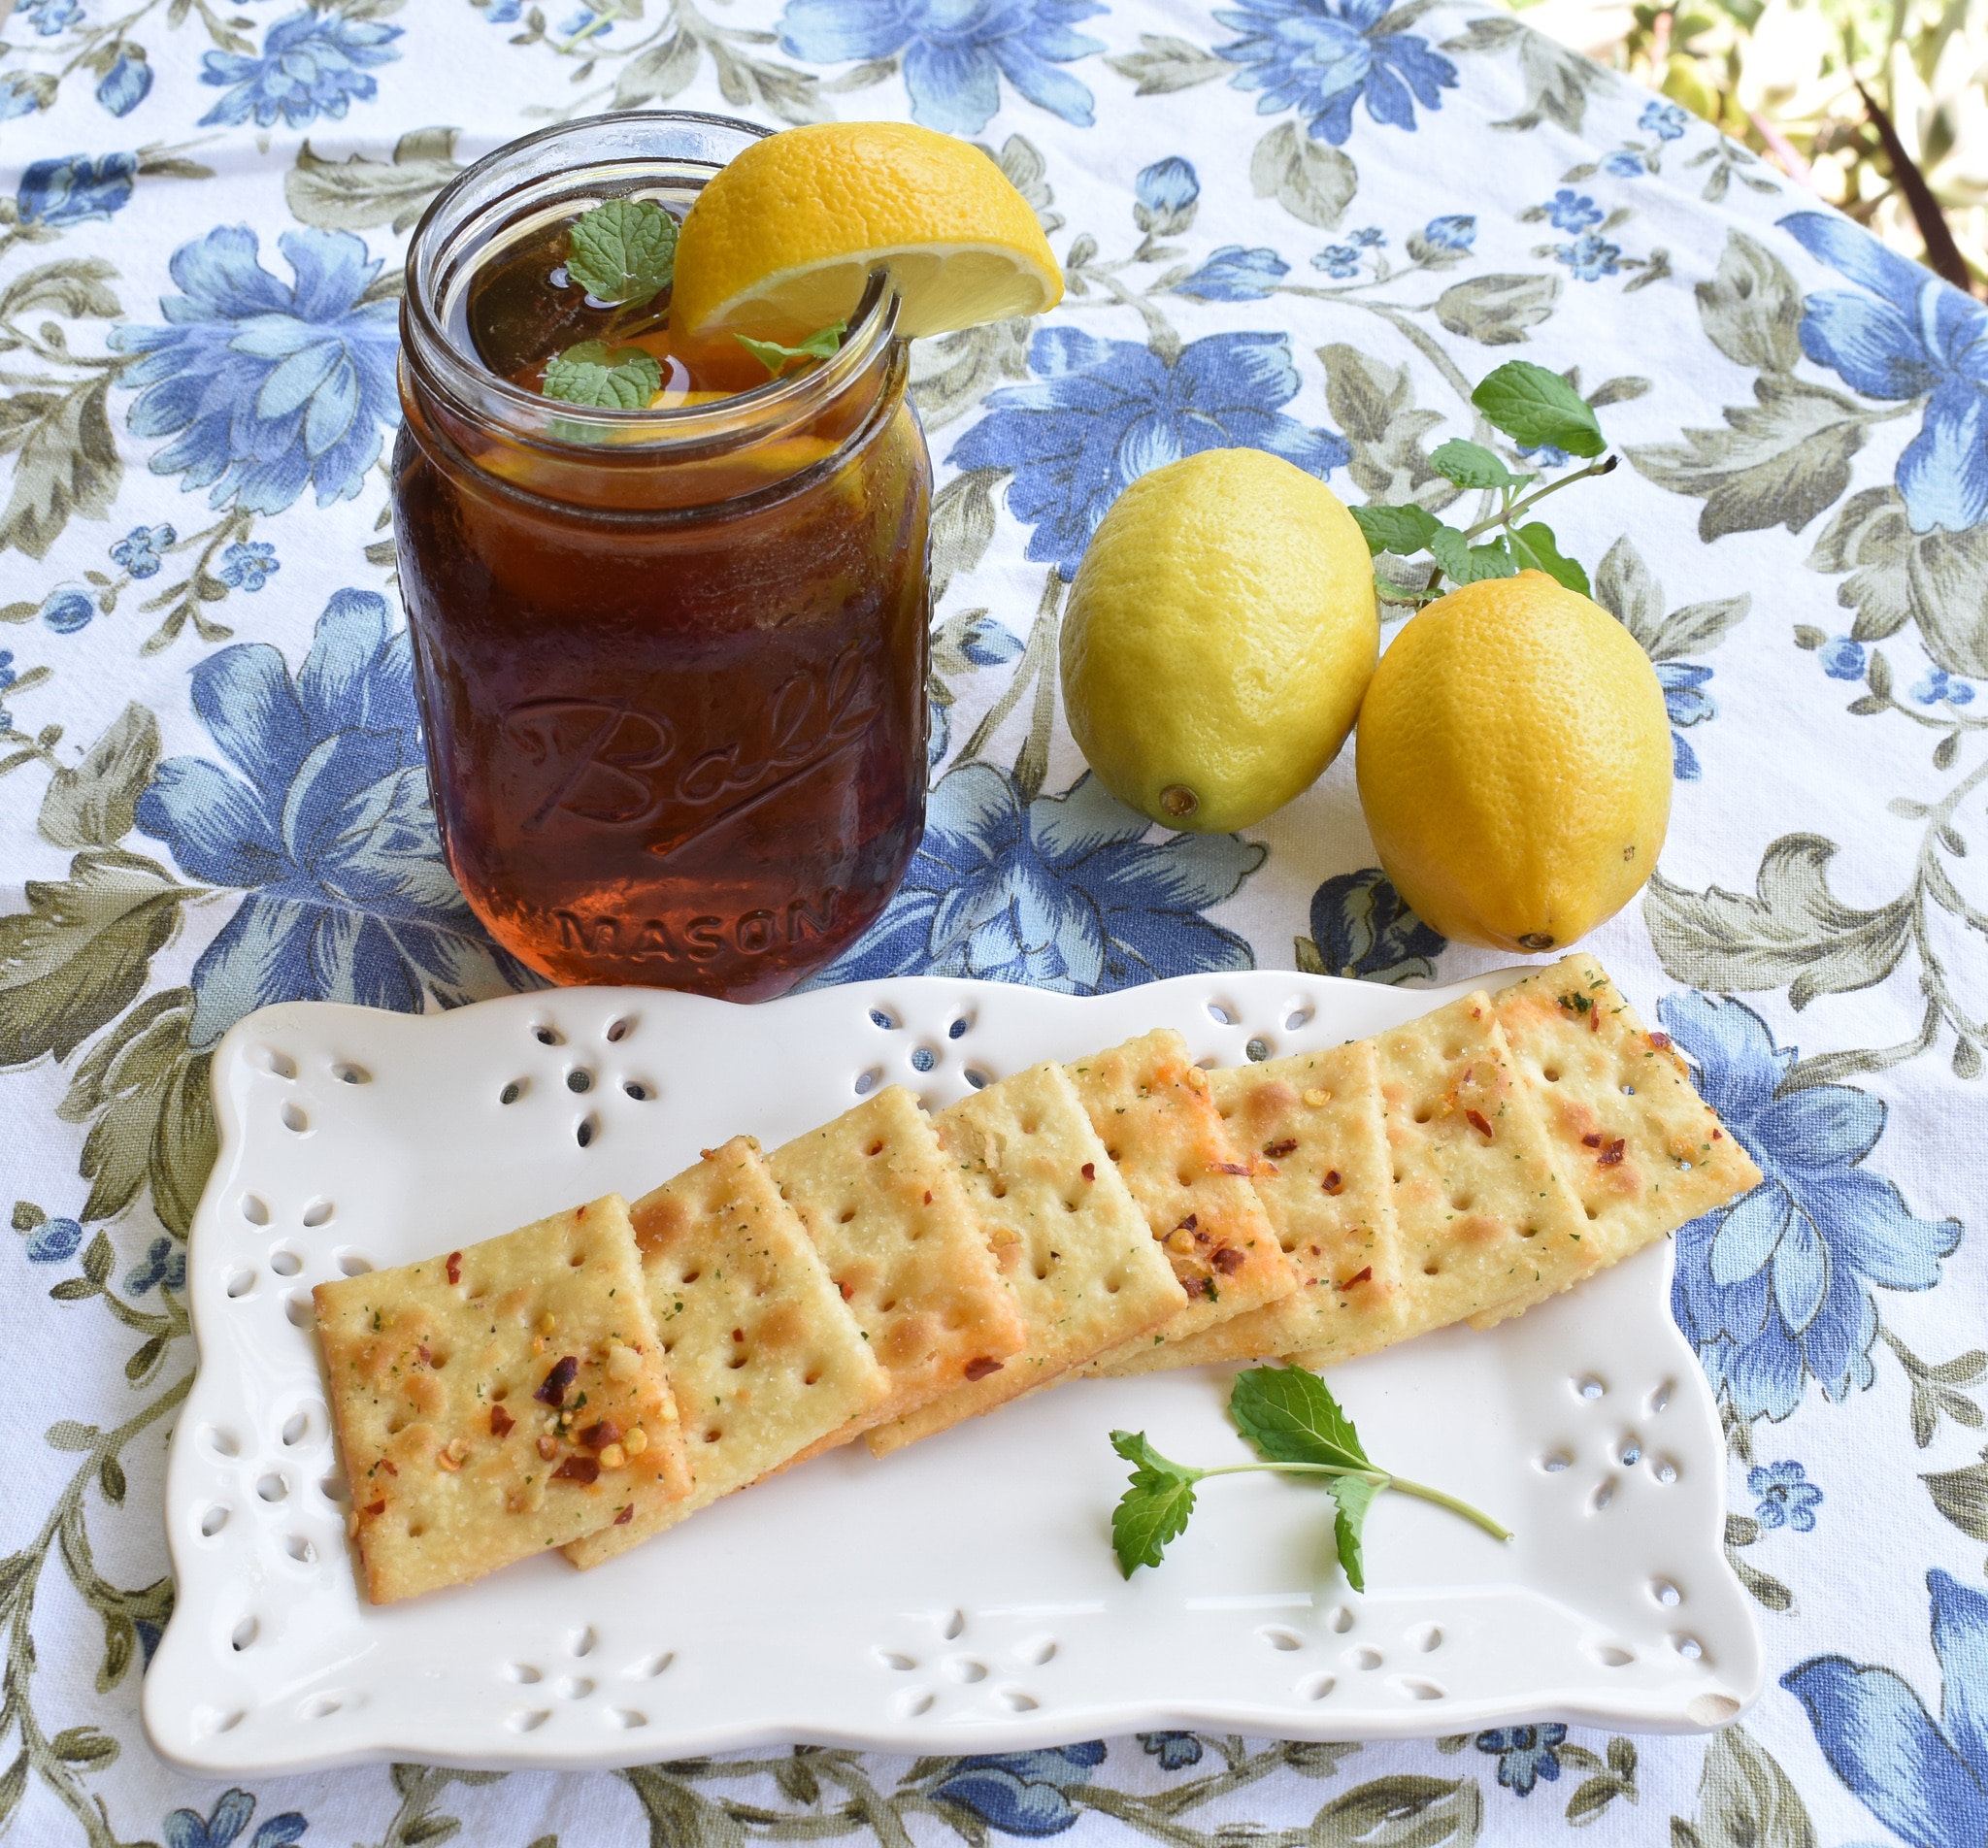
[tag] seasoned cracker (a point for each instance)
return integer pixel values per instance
(501, 1400)
(1070, 1241)
(886, 1209)
(1483, 1211)
(1311, 1126)
(1152, 1109)
(763, 1357)
(1643, 1152)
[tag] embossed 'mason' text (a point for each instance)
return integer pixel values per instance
(700, 939)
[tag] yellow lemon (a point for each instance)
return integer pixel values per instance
(1514, 764)
(1218, 637)
(781, 242)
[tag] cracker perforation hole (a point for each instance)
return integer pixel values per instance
(1431, 1270)
(1550, 1075)
(875, 1149)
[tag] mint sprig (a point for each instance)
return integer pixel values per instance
(1299, 1429)
(609, 378)
(822, 344)
(622, 253)
(1537, 409)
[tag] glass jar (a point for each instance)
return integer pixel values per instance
(671, 663)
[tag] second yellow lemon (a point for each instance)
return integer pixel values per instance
(1217, 640)
(1514, 764)
(781, 241)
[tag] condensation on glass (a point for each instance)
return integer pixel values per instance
(671, 663)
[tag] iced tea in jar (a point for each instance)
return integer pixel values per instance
(671, 658)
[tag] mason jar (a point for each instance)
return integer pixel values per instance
(671, 662)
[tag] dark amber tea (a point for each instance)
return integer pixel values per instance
(672, 657)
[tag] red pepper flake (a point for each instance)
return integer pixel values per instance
(1228, 1260)
(1719, 1136)
(455, 1266)
(737, 1334)
(386, 1463)
(375, 1507)
(423, 1354)
(1661, 1041)
(599, 1436)
(501, 1421)
(847, 1293)
(928, 1200)
(1359, 1276)
(1228, 1168)
(626, 1515)
(1189, 1223)
(553, 1390)
(1276, 1151)
(1089, 1171)
(577, 1469)
(1611, 1155)
(981, 1365)
(1332, 1183)
(1475, 1120)
(1595, 1020)
(1591, 1141)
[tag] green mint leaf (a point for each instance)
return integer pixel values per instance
(1387, 590)
(623, 253)
(1465, 564)
(1291, 1416)
(776, 358)
(1355, 1495)
(1534, 406)
(624, 379)
(1401, 530)
(1471, 465)
(1539, 548)
(1154, 1508)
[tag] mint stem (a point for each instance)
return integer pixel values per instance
(1378, 1477)
(1506, 514)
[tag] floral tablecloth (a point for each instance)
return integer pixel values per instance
(1305, 225)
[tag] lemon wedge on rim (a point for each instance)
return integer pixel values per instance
(781, 242)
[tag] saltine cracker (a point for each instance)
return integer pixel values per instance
(501, 1400)
(1070, 1239)
(1151, 1105)
(764, 1356)
(886, 1209)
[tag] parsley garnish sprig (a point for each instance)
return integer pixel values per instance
(1295, 1423)
(1538, 409)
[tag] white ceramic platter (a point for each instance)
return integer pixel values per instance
(962, 1596)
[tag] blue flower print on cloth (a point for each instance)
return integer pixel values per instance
(1166, 193)
(1590, 258)
(1843, 659)
(1926, 1780)
(1624, 164)
(1572, 210)
(126, 84)
(68, 609)
(268, 389)
(1774, 1290)
(248, 567)
(74, 189)
(140, 551)
(223, 1824)
(1687, 704)
(1362, 928)
(955, 52)
(1668, 121)
(1236, 275)
(1107, 411)
(17, 96)
(1938, 684)
(9, 674)
(1321, 56)
(1338, 260)
(1023, 1793)
(1453, 231)
(1525, 1754)
(50, 16)
(324, 821)
(1175, 1750)
(1063, 892)
(53, 1241)
(313, 64)
(164, 1264)
(1784, 1496)
(1919, 337)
